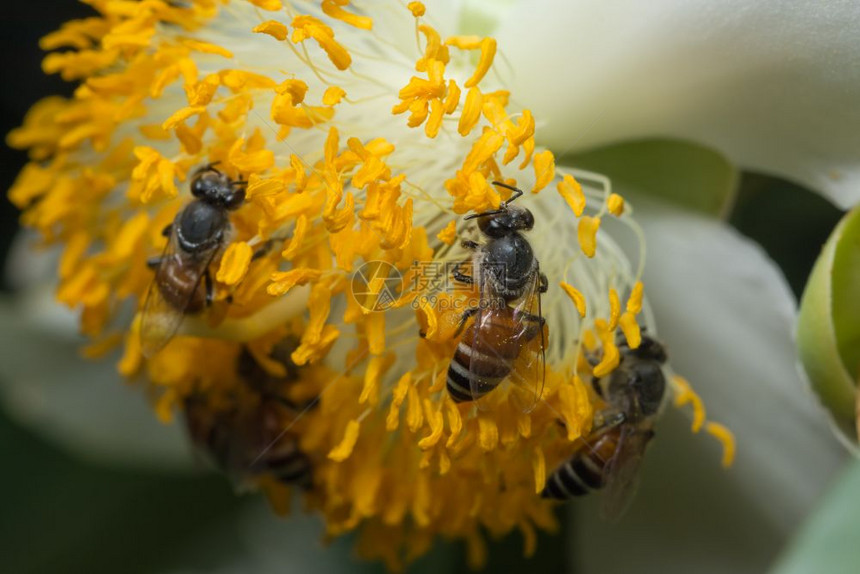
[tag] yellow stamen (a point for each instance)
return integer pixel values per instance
(634, 303)
(344, 449)
(544, 164)
(614, 308)
(539, 469)
(684, 394)
(615, 204)
(631, 330)
(572, 193)
(587, 234)
(333, 95)
(270, 5)
(234, 263)
(727, 440)
(417, 9)
(575, 296)
(276, 30)
(333, 9)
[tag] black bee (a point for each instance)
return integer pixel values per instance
(183, 284)
(508, 316)
(251, 440)
(610, 457)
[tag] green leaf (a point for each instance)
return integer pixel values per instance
(828, 328)
(683, 173)
(828, 540)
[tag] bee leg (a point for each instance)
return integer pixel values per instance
(534, 319)
(154, 262)
(544, 283)
(466, 244)
(463, 318)
(607, 419)
(460, 276)
(168, 229)
(210, 288)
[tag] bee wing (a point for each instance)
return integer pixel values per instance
(622, 472)
(485, 357)
(161, 318)
(529, 373)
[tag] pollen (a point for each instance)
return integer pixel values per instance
(575, 296)
(684, 395)
(234, 264)
(587, 234)
(615, 204)
(571, 191)
(331, 276)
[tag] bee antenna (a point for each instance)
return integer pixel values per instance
(484, 214)
(517, 192)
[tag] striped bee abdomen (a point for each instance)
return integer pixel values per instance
(287, 463)
(585, 470)
(485, 355)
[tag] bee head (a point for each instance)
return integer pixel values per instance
(506, 220)
(650, 349)
(210, 185)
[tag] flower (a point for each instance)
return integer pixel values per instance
(235, 324)
(168, 88)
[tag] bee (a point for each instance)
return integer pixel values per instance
(251, 441)
(248, 443)
(611, 456)
(183, 284)
(508, 316)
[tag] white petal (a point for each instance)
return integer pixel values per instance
(772, 85)
(726, 314)
(269, 544)
(81, 405)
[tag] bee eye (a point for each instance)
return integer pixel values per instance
(234, 199)
(198, 186)
(528, 219)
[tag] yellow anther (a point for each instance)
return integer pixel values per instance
(333, 95)
(417, 9)
(609, 361)
(437, 424)
(206, 47)
(544, 165)
(273, 28)
(234, 264)
(684, 394)
(488, 52)
(282, 282)
(576, 296)
(614, 308)
(448, 235)
(631, 330)
(333, 9)
(634, 303)
(587, 234)
(488, 433)
(350, 436)
(305, 27)
(270, 5)
(181, 115)
(727, 440)
(471, 111)
(539, 468)
(572, 193)
(615, 204)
